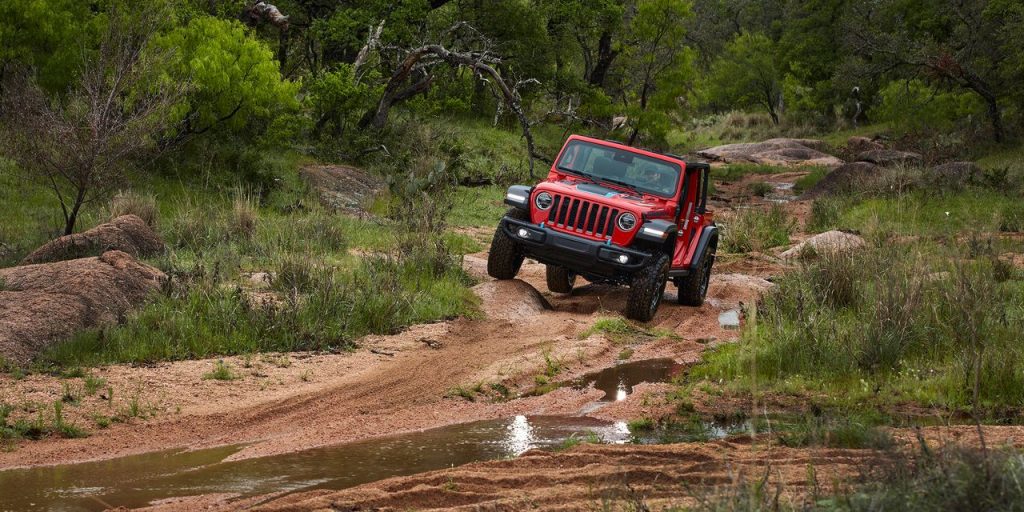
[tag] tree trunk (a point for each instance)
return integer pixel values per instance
(282, 47)
(71, 218)
(605, 55)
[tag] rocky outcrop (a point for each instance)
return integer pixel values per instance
(955, 174)
(45, 303)
(785, 152)
(512, 300)
(841, 180)
(888, 157)
(343, 188)
(857, 145)
(824, 243)
(127, 233)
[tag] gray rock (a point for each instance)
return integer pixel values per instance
(955, 174)
(774, 152)
(729, 319)
(858, 145)
(889, 157)
(841, 180)
(827, 242)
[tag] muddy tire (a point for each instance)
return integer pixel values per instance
(560, 279)
(646, 289)
(505, 258)
(694, 288)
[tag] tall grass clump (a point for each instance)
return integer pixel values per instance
(142, 205)
(915, 320)
(756, 230)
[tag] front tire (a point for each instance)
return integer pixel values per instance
(505, 259)
(694, 288)
(560, 279)
(646, 289)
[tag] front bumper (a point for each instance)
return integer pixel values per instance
(589, 258)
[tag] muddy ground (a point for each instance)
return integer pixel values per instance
(418, 379)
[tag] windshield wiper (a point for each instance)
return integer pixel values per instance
(621, 183)
(574, 172)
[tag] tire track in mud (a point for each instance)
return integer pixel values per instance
(405, 391)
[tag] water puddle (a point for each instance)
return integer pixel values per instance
(137, 481)
(617, 381)
(782, 192)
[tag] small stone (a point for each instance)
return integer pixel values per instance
(729, 319)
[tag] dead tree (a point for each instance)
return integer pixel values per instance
(81, 144)
(417, 68)
(261, 11)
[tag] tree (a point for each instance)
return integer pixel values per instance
(48, 36)
(745, 75)
(236, 84)
(655, 52)
(80, 145)
(958, 43)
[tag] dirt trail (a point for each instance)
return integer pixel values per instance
(405, 382)
(392, 384)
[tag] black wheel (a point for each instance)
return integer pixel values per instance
(693, 288)
(646, 289)
(560, 279)
(505, 259)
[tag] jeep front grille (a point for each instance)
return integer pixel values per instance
(582, 216)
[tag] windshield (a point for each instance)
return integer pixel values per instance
(622, 167)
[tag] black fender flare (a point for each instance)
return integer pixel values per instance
(708, 240)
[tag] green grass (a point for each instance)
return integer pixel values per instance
(733, 172)
(924, 214)
(221, 371)
(755, 230)
(838, 138)
(478, 206)
(338, 277)
(811, 179)
(913, 322)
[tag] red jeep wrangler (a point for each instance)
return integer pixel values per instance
(613, 214)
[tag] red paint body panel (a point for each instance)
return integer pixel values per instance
(563, 186)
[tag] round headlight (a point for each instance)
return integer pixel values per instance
(627, 221)
(542, 201)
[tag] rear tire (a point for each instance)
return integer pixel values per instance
(505, 258)
(560, 279)
(646, 289)
(694, 288)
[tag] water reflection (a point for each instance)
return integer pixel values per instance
(617, 381)
(138, 480)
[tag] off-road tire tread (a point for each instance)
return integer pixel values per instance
(644, 284)
(689, 287)
(505, 259)
(559, 280)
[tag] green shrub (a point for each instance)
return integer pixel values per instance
(756, 230)
(135, 203)
(1011, 217)
(760, 188)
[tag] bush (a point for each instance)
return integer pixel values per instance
(133, 203)
(756, 230)
(923, 325)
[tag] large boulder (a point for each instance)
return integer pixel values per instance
(343, 188)
(857, 145)
(829, 242)
(774, 152)
(889, 157)
(44, 303)
(512, 300)
(127, 233)
(955, 174)
(841, 180)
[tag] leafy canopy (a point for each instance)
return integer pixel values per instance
(234, 78)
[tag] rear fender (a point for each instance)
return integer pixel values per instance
(706, 241)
